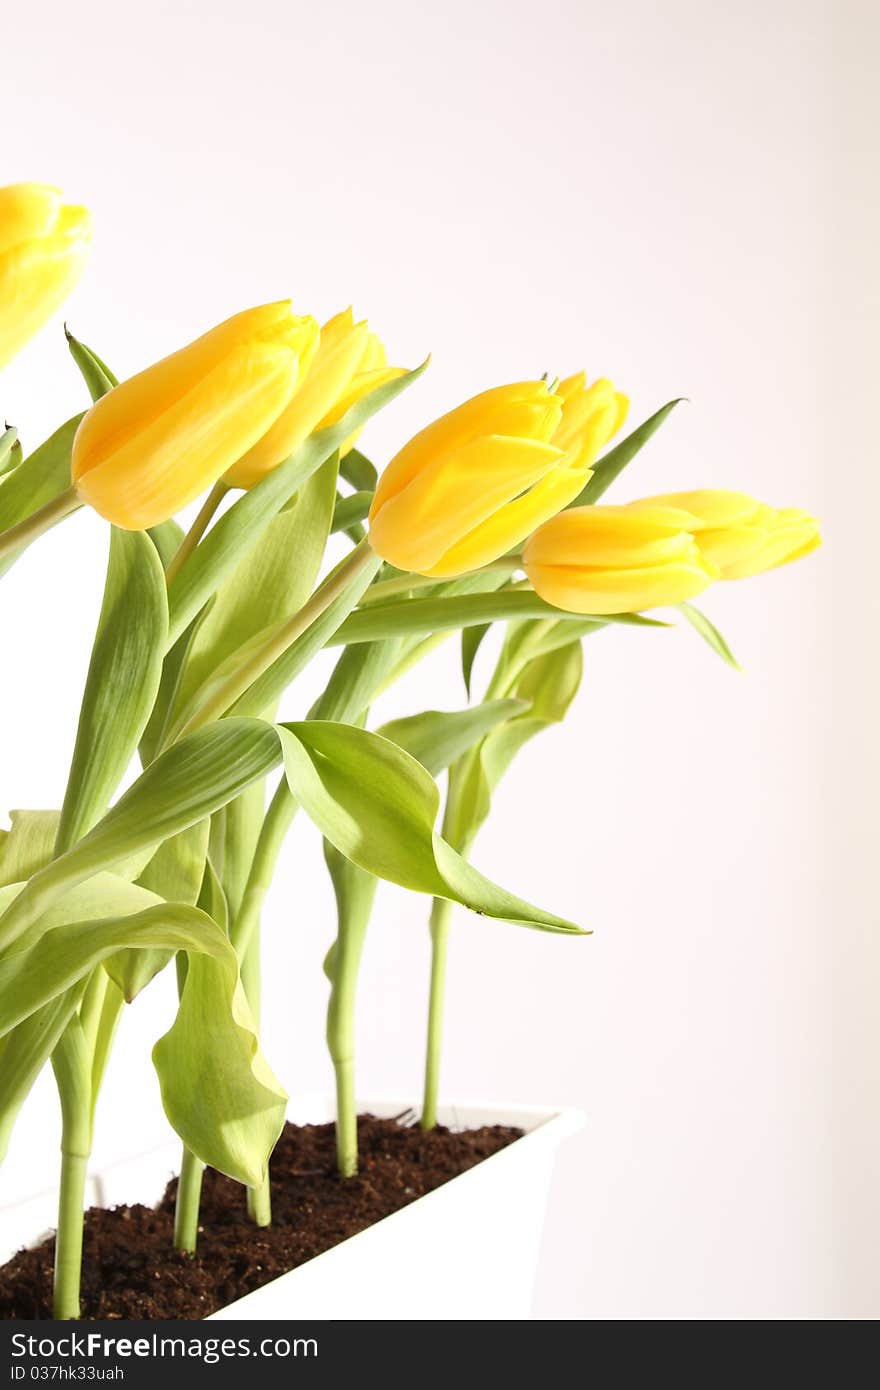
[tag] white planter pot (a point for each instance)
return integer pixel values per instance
(468, 1250)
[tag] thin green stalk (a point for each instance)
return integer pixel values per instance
(240, 680)
(276, 824)
(69, 1236)
(71, 1063)
(41, 520)
(355, 891)
(196, 531)
(441, 916)
(186, 1208)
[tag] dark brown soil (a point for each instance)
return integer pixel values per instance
(130, 1269)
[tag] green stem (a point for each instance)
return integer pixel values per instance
(17, 537)
(195, 532)
(346, 1118)
(69, 1237)
(345, 574)
(276, 824)
(186, 1209)
(259, 1203)
(441, 915)
(71, 1063)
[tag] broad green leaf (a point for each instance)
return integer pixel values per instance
(709, 633)
(25, 1051)
(190, 781)
(437, 739)
(425, 615)
(218, 1090)
(270, 583)
(378, 806)
(122, 681)
(264, 692)
(158, 725)
(28, 845)
(10, 450)
(175, 874)
(95, 373)
(42, 476)
(243, 525)
(611, 465)
(166, 537)
(357, 470)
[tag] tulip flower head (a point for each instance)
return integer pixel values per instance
(477, 481)
(740, 536)
(43, 248)
(606, 560)
(349, 362)
(159, 439)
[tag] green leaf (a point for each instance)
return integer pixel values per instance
(25, 1051)
(28, 846)
(122, 681)
(242, 526)
(437, 739)
(218, 1090)
(357, 470)
(41, 478)
(425, 615)
(10, 450)
(271, 582)
(166, 537)
(471, 641)
(350, 510)
(95, 373)
(190, 781)
(268, 687)
(378, 806)
(547, 684)
(611, 465)
(709, 633)
(175, 874)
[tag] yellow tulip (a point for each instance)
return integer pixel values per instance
(607, 560)
(349, 362)
(159, 439)
(43, 249)
(740, 536)
(480, 479)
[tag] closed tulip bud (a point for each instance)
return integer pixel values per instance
(607, 560)
(43, 249)
(740, 536)
(477, 481)
(349, 362)
(162, 437)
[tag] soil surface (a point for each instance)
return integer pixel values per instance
(130, 1269)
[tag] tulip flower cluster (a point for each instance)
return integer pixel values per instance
(488, 516)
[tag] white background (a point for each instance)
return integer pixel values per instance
(679, 196)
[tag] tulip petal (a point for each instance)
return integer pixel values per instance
(522, 410)
(35, 279)
(513, 522)
(579, 589)
(121, 414)
(27, 210)
(340, 351)
(453, 495)
(612, 536)
(167, 461)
